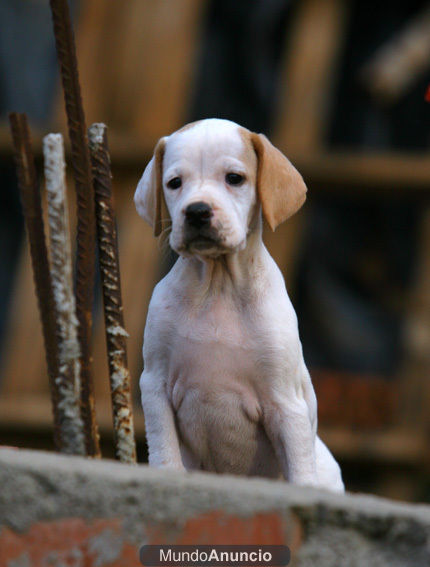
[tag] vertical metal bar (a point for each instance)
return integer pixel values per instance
(32, 208)
(113, 309)
(68, 380)
(66, 53)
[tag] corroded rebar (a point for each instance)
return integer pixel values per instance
(85, 266)
(68, 380)
(32, 209)
(113, 309)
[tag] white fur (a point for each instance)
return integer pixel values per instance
(225, 387)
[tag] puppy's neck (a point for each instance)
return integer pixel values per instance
(232, 273)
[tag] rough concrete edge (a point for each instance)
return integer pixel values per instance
(40, 486)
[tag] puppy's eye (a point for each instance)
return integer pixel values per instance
(234, 178)
(174, 183)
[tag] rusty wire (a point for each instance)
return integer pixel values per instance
(85, 266)
(32, 209)
(113, 310)
(68, 380)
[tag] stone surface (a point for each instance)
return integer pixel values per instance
(60, 510)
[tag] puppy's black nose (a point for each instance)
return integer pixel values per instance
(198, 214)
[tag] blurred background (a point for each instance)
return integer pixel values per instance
(339, 86)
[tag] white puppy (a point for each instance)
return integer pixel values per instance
(225, 387)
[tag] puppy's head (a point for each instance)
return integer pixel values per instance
(210, 178)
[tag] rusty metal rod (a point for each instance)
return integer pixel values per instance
(85, 266)
(125, 446)
(68, 380)
(32, 209)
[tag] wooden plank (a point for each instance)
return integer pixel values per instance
(171, 32)
(98, 40)
(395, 445)
(307, 77)
(395, 172)
(364, 172)
(34, 412)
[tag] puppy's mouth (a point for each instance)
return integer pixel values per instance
(201, 241)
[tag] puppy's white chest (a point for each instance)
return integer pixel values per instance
(217, 320)
(214, 348)
(213, 385)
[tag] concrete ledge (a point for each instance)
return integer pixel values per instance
(57, 510)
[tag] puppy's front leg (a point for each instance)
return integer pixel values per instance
(161, 434)
(288, 425)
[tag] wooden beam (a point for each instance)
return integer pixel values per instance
(310, 61)
(354, 172)
(395, 445)
(350, 171)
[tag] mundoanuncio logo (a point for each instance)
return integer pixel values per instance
(214, 555)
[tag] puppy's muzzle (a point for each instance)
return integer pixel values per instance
(198, 215)
(199, 232)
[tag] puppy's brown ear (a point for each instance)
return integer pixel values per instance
(149, 196)
(280, 186)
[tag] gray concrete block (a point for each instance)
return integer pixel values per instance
(338, 530)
